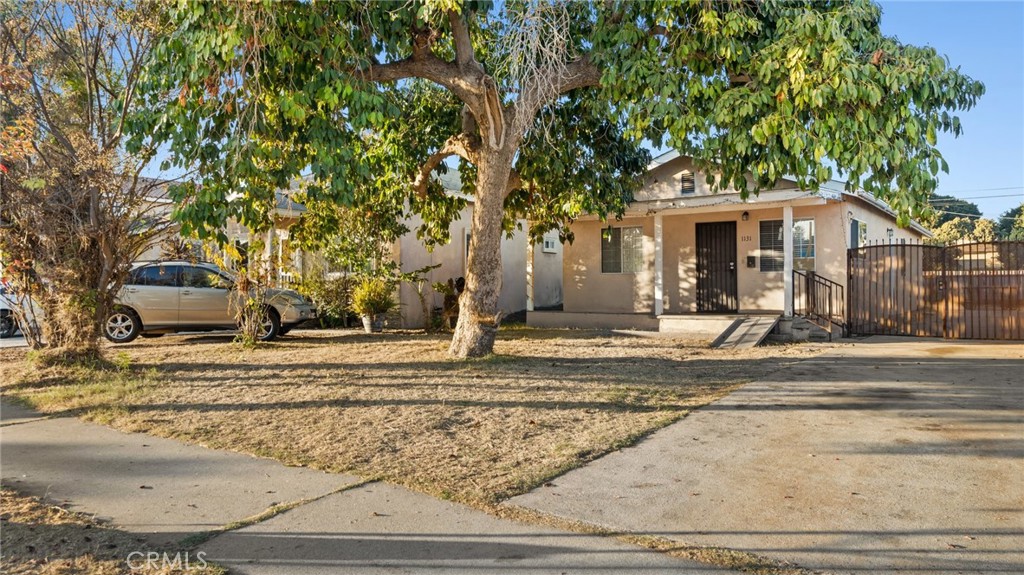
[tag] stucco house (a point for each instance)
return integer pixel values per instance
(683, 253)
(411, 254)
(288, 261)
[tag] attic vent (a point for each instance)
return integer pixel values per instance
(687, 177)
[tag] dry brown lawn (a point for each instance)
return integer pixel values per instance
(391, 406)
(44, 539)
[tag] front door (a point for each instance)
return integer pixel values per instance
(716, 267)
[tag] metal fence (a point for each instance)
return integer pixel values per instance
(964, 291)
(820, 300)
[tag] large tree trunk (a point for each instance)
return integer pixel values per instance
(478, 305)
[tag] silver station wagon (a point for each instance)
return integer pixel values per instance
(165, 297)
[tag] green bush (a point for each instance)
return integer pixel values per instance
(332, 297)
(372, 296)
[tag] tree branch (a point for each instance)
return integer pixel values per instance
(460, 37)
(464, 83)
(37, 93)
(514, 182)
(462, 145)
(581, 73)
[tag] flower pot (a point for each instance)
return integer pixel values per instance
(373, 324)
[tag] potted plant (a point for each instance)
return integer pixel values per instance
(371, 299)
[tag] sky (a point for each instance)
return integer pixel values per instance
(986, 40)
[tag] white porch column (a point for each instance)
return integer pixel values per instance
(529, 274)
(659, 264)
(787, 259)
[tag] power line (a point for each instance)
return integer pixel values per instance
(944, 192)
(971, 215)
(947, 200)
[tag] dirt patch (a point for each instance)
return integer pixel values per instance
(392, 406)
(45, 539)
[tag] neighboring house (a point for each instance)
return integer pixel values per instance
(412, 254)
(409, 251)
(680, 249)
(290, 262)
(156, 212)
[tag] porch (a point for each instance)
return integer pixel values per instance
(725, 330)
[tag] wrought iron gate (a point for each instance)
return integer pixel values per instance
(964, 291)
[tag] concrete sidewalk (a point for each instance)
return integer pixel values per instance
(384, 529)
(156, 487)
(167, 491)
(889, 455)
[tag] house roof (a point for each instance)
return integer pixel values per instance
(663, 159)
(285, 204)
(451, 181)
(727, 201)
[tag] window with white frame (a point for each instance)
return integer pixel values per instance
(803, 244)
(858, 233)
(622, 250)
(550, 244)
(772, 245)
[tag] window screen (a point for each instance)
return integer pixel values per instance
(858, 233)
(771, 245)
(622, 250)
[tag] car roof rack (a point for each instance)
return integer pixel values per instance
(138, 263)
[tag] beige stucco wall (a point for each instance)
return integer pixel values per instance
(664, 182)
(586, 289)
(764, 290)
(878, 222)
(413, 255)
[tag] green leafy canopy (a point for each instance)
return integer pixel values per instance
(253, 95)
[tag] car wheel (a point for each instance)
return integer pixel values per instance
(122, 326)
(271, 326)
(7, 326)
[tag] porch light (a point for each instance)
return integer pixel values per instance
(745, 216)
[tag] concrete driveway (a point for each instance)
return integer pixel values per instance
(886, 455)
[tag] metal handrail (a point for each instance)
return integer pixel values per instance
(820, 300)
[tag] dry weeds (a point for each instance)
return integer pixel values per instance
(391, 406)
(44, 539)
